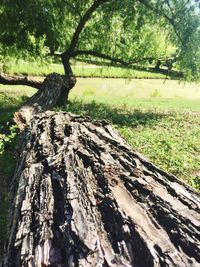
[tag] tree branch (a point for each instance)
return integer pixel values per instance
(170, 7)
(19, 80)
(83, 21)
(99, 55)
(183, 7)
(65, 57)
(113, 59)
(147, 4)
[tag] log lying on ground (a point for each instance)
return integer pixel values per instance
(82, 197)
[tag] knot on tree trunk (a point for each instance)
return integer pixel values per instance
(54, 91)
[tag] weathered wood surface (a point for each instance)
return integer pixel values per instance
(82, 197)
(19, 80)
(54, 91)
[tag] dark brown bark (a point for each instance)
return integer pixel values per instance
(19, 80)
(82, 197)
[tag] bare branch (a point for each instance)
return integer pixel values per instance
(113, 59)
(99, 55)
(19, 80)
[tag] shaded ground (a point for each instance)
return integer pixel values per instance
(3, 210)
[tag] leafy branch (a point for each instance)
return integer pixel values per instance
(68, 53)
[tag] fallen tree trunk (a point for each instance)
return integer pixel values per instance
(82, 197)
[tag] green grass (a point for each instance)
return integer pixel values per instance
(126, 90)
(8, 105)
(166, 130)
(30, 68)
(113, 72)
(80, 70)
(8, 142)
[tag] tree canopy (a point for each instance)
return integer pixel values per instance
(124, 32)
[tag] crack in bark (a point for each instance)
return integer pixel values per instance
(82, 197)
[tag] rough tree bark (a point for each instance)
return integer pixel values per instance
(54, 91)
(82, 197)
(19, 80)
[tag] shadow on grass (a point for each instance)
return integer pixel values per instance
(8, 143)
(8, 105)
(7, 166)
(121, 116)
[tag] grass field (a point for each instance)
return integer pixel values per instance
(80, 70)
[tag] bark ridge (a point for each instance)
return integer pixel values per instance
(82, 197)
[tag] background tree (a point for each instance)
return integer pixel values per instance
(128, 32)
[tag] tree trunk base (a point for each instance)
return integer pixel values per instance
(82, 197)
(54, 91)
